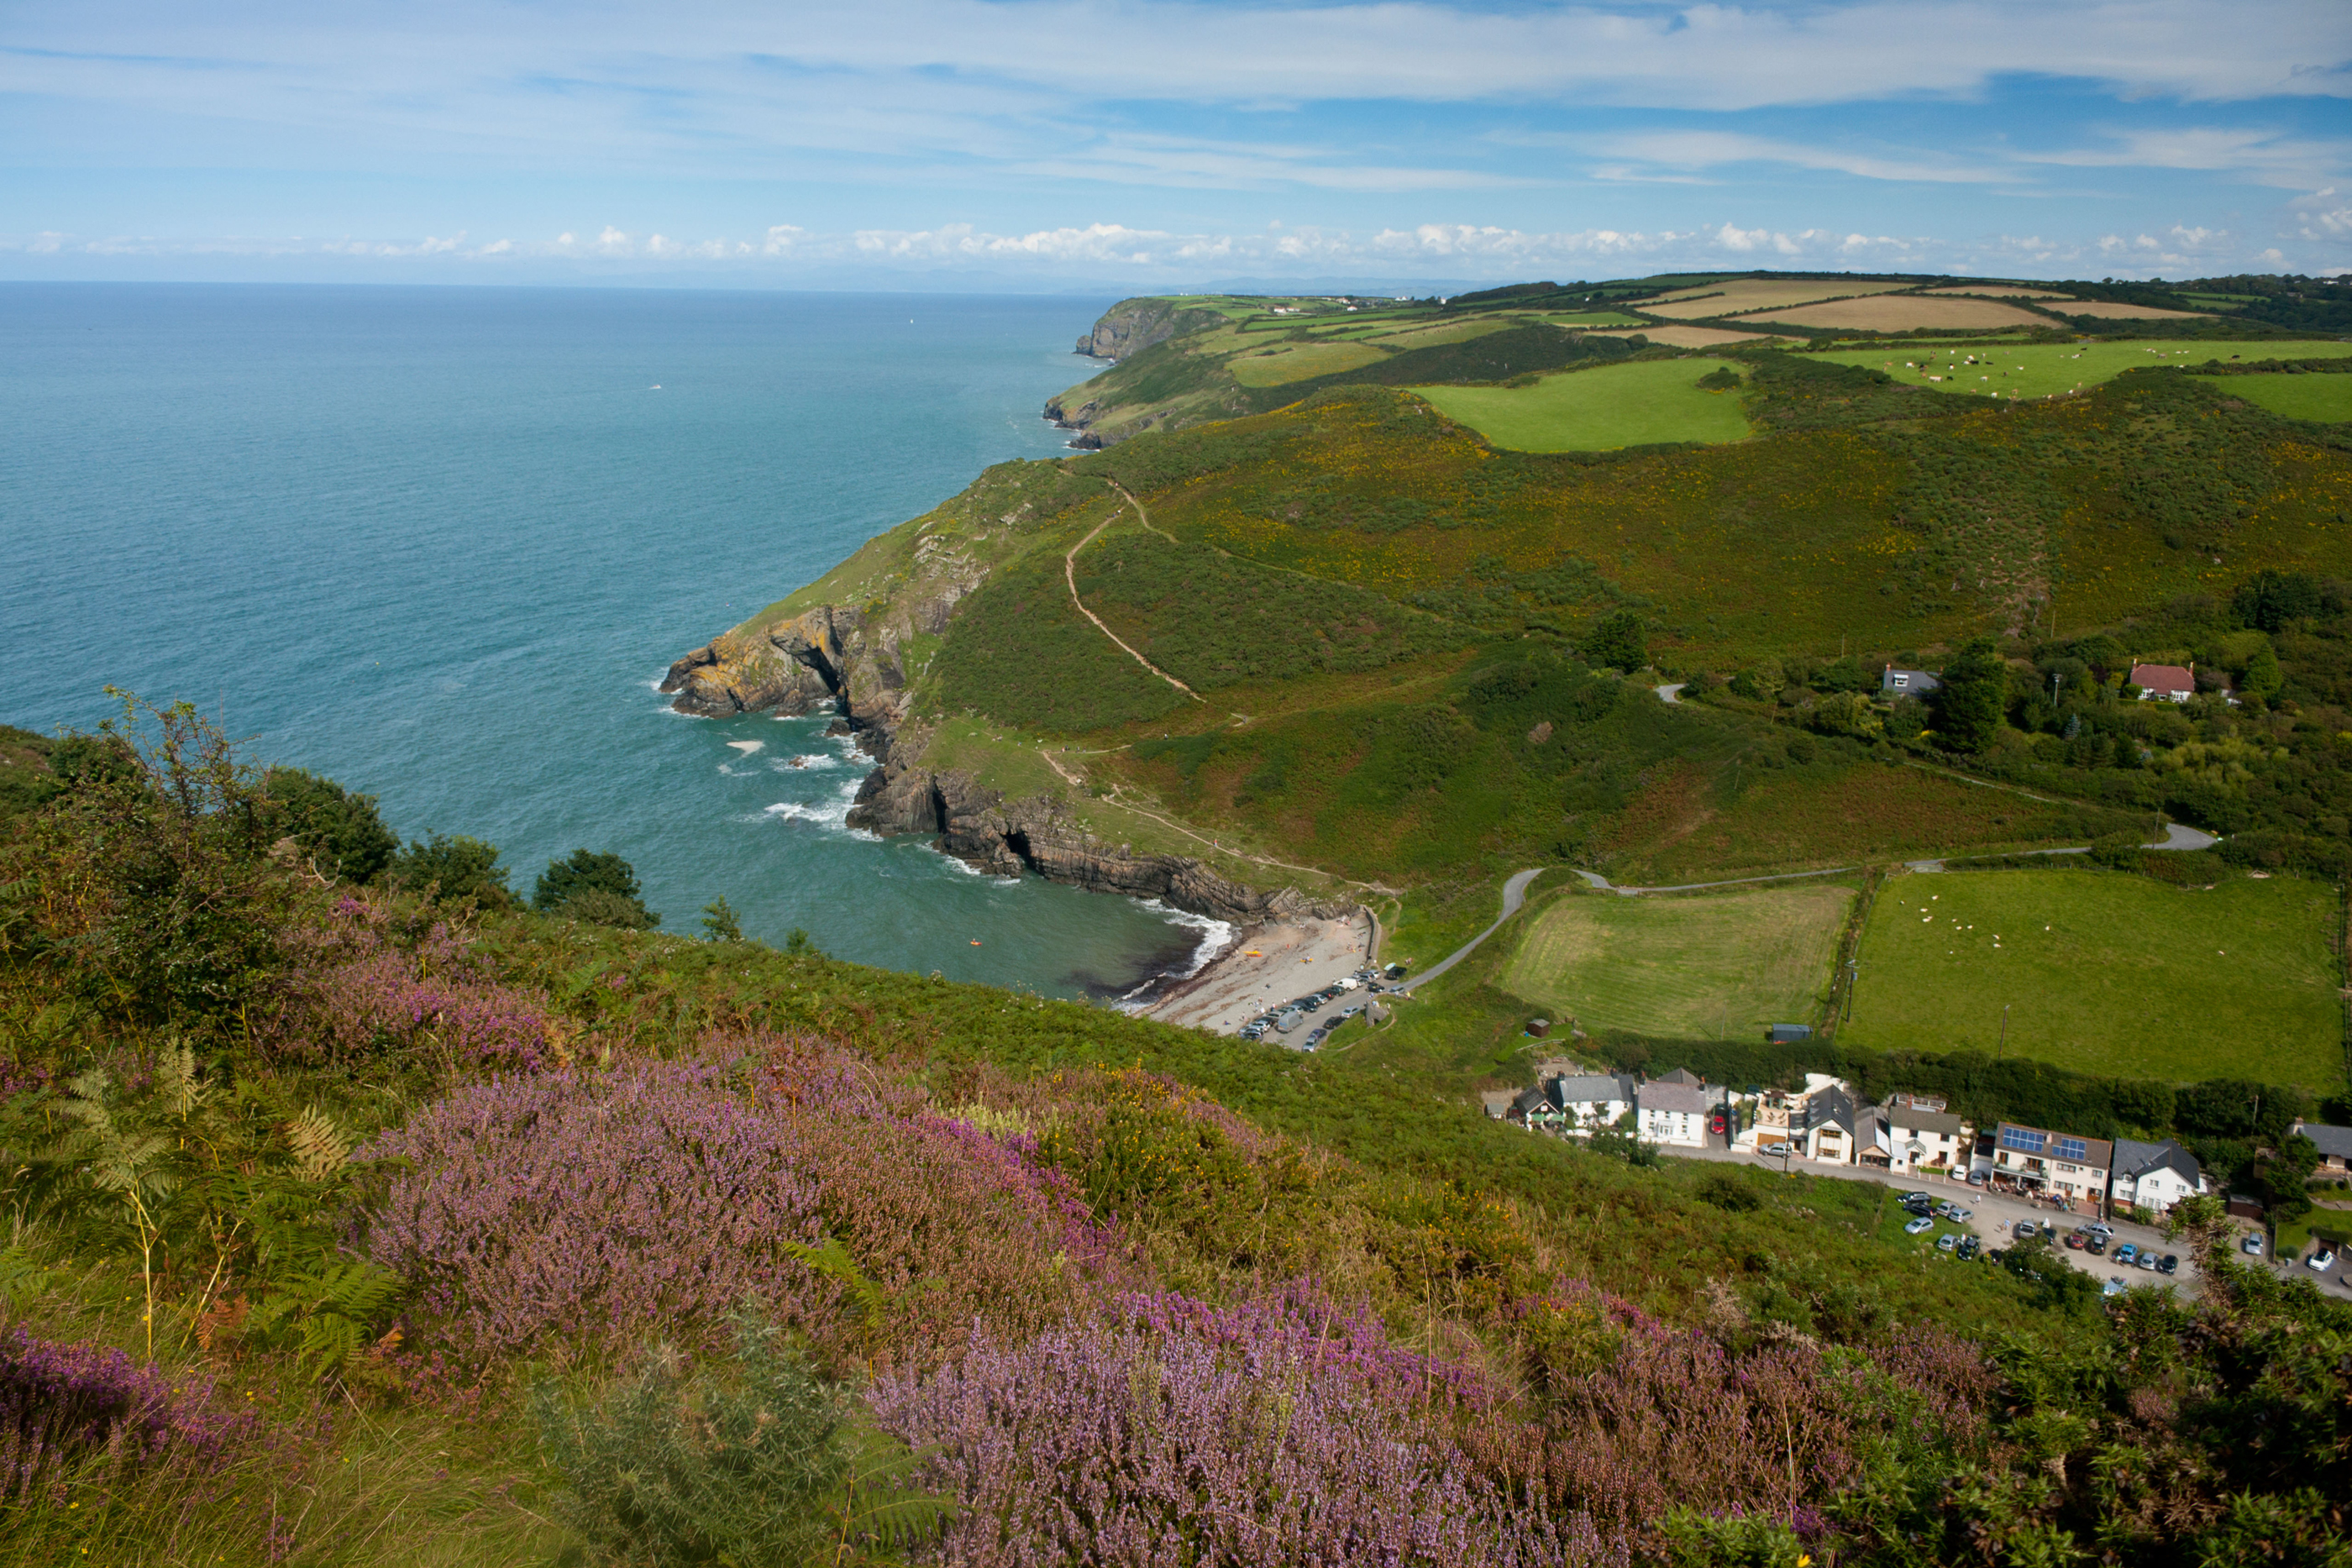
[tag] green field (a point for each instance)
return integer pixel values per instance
(2107, 972)
(2041, 369)
(2324, 399)
(1274, 367)
(1705, 967)
(1596, 410)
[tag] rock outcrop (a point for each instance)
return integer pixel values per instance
(1037, 833)
(1132, 326)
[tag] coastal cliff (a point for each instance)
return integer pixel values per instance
(859, 642)
(982, 828)
(1132, 326)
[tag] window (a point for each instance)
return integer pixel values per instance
(2025, 1140)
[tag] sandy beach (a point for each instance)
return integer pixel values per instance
(1268, 964)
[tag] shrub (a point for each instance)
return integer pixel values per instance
(573, 1213)
(583, 1210)
(62, 1404)
(1170, 1437)
(768, 1466)
(341, 833)
(601, 889)
(451, 871)
(360, 986)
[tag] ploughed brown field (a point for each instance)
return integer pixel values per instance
(1756, 294)
(1903, 313)
(2125, 312)
(1682, 337)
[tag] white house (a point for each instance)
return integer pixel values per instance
(2164, 682)
(1668, 1112)
(1588, 1103)
(2154, 1176)
(1921, 1135)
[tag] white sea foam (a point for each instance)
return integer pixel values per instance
(747, 746)
(803, 762)
(1216, 935)
(831, 815)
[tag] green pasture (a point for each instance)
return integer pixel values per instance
(1598, 410)
(1264, 368)
(2323, 399)
(1710, 965)
(2044, 370)
(2107, 972)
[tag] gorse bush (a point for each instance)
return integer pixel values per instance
(764, 1464)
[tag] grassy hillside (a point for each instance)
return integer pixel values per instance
(2108, 973)
(2041, 369)
(492, 1161)
(1597, 411)
(1696, 966)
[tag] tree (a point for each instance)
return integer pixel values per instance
(452, 870)
(601, 889)
(1846, 713)
(1617, 642)
(719, 920)
(2265, 679)
(2269, 599)
(1975, 697)
(2285, 1176)
(339, 833)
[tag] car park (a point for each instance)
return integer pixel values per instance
(1917, 1226)
(2322, 1260)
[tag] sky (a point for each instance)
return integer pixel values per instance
(1147, 144)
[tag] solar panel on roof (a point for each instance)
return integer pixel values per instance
(2073, 1149)
(2022, 1139)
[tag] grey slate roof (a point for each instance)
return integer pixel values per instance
(1832, 1106)
(2334, 1142)
(1681, 1075)
(1591, 1089)
(1692, 1097)
(1925, 1120)
(2135, 1159)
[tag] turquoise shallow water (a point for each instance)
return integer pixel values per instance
(440, 543)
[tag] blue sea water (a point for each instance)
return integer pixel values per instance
(439, 544)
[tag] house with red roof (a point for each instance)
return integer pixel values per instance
(2170, 683)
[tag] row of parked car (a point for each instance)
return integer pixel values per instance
(1287, 1015)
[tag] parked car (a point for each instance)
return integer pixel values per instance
(1969, 1247)
(1946, 1242)
(2024, 1230)
(1921, 1224)
(2147, 1260)
(2126, 1252)
(1976, 1178)
(2252, 1245)
(2096, 1246)
(2322, 1260)
(2075, 1240)
(2167, 1264)
(2112, 1287)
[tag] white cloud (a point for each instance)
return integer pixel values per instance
(2267, 157)
(1716, 148)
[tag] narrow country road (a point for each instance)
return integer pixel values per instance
(1515, 894)
(1594, 879)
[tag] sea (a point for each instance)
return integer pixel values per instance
(440, 545)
